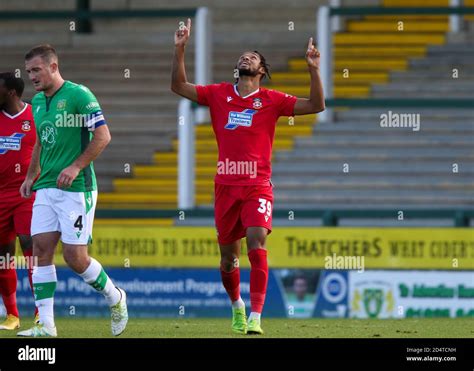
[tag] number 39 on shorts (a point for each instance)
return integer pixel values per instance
(265, 206)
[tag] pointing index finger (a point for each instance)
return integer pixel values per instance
(310, 43)
(188, 25)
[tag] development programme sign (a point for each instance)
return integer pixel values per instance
(292, 293)
(189, 292)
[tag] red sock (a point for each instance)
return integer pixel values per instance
(231, 282)
(29, 255)
(8, 282)
(258, 278)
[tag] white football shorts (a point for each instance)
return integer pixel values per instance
(71, 213)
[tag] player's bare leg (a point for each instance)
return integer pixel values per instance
(78, 259)
(44, 283)
(256, 240)
(230, 274)
(26, 243)
(8, 284)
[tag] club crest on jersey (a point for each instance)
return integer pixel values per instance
(11, 143)
(237, 119)
(257, 103)
(25, 125)
(61, 104)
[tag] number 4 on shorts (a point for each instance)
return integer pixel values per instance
(78, 223)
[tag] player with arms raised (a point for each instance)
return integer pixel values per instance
(244, 117)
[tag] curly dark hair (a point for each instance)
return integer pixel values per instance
(264, 64)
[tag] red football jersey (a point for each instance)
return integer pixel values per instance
(244, 129)
(17, 139)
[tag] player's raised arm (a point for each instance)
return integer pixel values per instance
(315, 103)
(179, 82)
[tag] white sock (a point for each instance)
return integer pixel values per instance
(95, 276)
(239, 303)
(254, 315)
(44, 284)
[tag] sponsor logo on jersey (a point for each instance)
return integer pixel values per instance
(257, 103)
(11, 143)
(26, 125)
(237, 119)
(92, 105)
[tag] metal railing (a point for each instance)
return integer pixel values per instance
(188, 117)
(186, 154)
(330, 218)
(401, 102)
(203, 55)
(85, 14)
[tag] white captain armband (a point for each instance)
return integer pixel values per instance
(94, 120)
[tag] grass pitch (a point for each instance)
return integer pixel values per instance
(274, 328)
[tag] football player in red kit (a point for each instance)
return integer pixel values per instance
(244, 117)
(17, 138)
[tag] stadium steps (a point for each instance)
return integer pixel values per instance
(143, 46)
(389, 167)
(368, 51)
(144, 125)
(295, 82)
(373, 52)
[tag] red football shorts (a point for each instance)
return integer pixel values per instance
(15, 216)
(237, 208)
